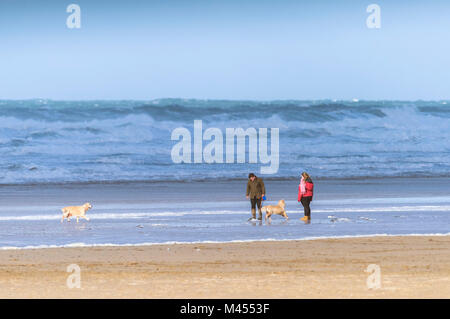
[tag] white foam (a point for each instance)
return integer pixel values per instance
(109, 216)
(84, 245)
(121, 215)
(383, 200)
(436, 208)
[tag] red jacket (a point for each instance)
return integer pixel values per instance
(309, 186)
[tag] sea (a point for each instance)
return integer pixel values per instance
(380, 168)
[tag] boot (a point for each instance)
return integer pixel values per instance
(253, 214)
(260, 214)
(306, 219)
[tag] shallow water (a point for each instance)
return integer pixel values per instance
(205, 218)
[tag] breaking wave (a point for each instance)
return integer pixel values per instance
(44, 141)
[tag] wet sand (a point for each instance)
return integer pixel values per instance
(411, 267)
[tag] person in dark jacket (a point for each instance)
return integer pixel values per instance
(305, 195)
(255, 192)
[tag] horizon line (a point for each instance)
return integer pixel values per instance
(224, 99)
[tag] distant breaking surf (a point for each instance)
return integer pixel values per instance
(45, 141)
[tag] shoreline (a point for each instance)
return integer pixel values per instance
(222, 180)
(149, 244)
(218, 212)
(411, 267)
(210, 191)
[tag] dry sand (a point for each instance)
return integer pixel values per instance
(411, 267)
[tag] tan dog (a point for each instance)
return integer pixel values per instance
(275, 210)
(75, 211)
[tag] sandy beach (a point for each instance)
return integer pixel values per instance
(411, 267)
(144, 147)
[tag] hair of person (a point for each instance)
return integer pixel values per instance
(251, 175)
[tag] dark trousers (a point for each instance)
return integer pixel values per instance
(255, 201)
(305, 202)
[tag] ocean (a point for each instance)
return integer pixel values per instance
(45, 141)
(380, 168)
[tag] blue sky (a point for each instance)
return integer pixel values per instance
(231, 49)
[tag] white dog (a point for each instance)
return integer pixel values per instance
(75, 211)
(275, 210)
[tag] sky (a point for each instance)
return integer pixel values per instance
(233, 49)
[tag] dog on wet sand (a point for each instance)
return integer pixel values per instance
(275, 210)
(75, 211)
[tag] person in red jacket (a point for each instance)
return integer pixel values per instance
(305, 195)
